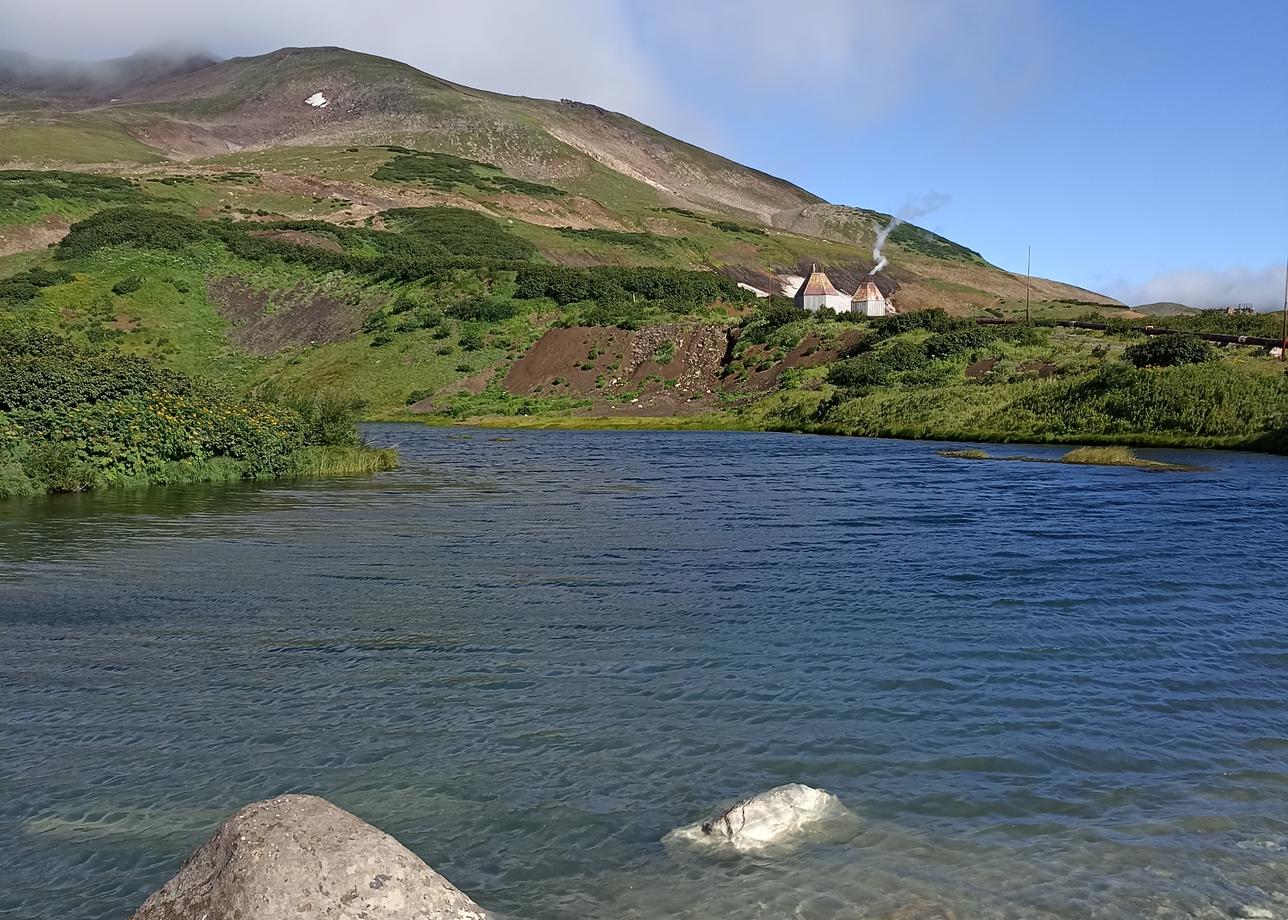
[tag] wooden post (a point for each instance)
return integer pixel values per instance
(1028, 279)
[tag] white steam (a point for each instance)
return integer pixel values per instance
(913, 209)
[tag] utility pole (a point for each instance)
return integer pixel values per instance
(1283, 334)
(1028, 280)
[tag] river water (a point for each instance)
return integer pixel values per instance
(1047, 691)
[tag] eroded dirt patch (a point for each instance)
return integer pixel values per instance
(669, 368)
(811, 351)
(30, 237)
(265, 322)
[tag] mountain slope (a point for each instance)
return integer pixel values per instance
(292, 114)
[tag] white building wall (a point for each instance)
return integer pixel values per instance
(870, 307)
(840, 303)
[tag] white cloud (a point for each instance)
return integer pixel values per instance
(1263, 288)
(854, 59)
(571, 48)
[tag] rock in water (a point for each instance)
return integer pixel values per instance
(783, 815)
(302, 858)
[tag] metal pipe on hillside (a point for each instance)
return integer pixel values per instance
(1219, 337)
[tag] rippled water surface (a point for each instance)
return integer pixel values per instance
(1048, 691)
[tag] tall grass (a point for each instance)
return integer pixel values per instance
(334, 460)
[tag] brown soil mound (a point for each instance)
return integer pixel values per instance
(29, 237)
(182, 139)
(265, 322)
(667, 367)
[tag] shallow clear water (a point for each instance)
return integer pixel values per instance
(1048, 691)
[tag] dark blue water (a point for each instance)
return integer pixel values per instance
(1049, 691)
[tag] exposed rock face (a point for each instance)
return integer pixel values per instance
(783, 815)
(302, 858)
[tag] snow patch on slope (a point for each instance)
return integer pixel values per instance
(791, 284)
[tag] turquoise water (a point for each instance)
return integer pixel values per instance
(1048, 691)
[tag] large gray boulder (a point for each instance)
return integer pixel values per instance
(783, 816)
(302, 858)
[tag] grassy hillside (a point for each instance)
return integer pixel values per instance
(449, 313)
(433, 252)
(546, 163)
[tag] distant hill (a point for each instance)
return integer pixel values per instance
(158, 111)
(78, 82)
(1166, 308)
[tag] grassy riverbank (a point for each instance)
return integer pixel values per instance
(75, 417)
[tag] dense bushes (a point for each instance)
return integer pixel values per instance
(458, 231)
(1209, 399)
(432, 240)
(960, 341)
(127, 285)
(608, 283)
(26, 286)
(484, 310)
(73, 418)
(20, 188)
(1170, 351)
(446, 172)
(879, 368)
(1264, 325)
(132, 226)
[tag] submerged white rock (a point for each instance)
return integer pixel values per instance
(783, 815)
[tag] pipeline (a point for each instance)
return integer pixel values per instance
(1219, 337)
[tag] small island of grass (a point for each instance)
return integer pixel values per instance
(1084, 456)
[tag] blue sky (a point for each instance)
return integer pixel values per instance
(1140, 146)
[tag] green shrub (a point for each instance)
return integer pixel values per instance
(446, 172)
(127, 285)
(484, 309)
(863, 371)
(935, 320)
(956, 342)
(142, 228)
(472, 339)
(1170, 351)
(729, 226)
(903, 356)
(24, 287)
(458, 231)
(19, 187)
(327, 419)
(613, 283)
(75, 418)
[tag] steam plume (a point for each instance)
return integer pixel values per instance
(911, 210)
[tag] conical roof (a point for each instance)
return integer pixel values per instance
(868, 290)
(817, 284)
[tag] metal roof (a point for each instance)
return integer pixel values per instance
(817, 284)
(868, 290)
